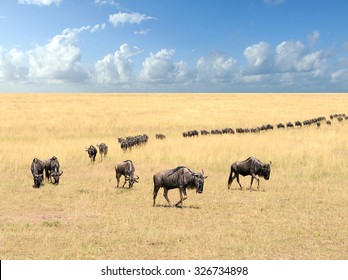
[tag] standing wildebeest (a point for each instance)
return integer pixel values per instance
(37, 169)
(52, 170)
(126, 169)
(251, 166)
(179, 177)
(160, 136)
(103, 150)
(92, 153)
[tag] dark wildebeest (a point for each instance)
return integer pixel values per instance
(251, 166)
(92, 153)
(103, 150)
(126, 169)
(160, 136)
(37, 170)
(179, 177)
(52, 170)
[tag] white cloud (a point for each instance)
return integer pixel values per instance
(293, 57)
(58, 60)
(259, 57)
(142, 32)
(11, 65)
(106, 2)
(117, 67)
(40, 2)
(131, 18)
(160, 67)
(313, 37)
(98, 27)
(216, 67)
(340, 76)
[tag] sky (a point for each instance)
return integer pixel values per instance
(173, 46)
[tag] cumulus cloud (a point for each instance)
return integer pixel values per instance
(11, 65)
(216, 67)
(160, 67)
(340, 76)
(131, 18)
(117, 67)
(259, 58)
(293, 56)
(59, 59)
(40, 2)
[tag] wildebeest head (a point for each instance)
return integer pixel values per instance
(132, 180)
(198, 181)
(266, 170)
(55, 177)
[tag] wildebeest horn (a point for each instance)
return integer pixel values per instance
(59, 174)
(270, 162)
(202, 172)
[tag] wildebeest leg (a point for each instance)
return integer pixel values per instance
(252, 179)
(182, 198)
(125, 181)
(165, 194)
(155, 191)
(240, 186)
(118, 180)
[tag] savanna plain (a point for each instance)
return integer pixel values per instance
(300, 213)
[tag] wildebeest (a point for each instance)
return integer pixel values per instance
(280, 125)
(251, 166)
(37, 170)
(52, 170)
(298, 123)
(179, 177)
(126, 169)
(160, 136)
(103, 150)
(92, 153)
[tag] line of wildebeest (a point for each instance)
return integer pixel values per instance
(179, 177)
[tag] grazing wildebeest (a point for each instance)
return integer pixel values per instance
(37, 170)
(251, 166)
(92, 153)
(126, 169)
(160, 136)
(280, 125)
(52, 170)
(289, 124)
(103, 150)
(298, 123)
(179, 177)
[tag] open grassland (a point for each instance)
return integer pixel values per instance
(300, 213)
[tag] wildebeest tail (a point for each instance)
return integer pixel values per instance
(230, 178)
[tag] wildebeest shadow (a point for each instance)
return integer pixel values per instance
(177, 207)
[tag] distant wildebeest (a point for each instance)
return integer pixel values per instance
(249, 167)
(179, 177)
(318, 124)
(160, 136)
(298, 123)
(280, 125)
(37, 170)
(289, 124)
(103, 150)
(328, 122)
(92, 153)
(52, 170)
(126, 169)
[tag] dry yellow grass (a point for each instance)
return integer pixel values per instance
(300, 213)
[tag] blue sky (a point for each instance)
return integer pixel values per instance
(173, 46)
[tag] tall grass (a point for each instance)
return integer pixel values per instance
(300, 213)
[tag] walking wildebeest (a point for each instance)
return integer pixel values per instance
(160, 136)
(251, 166)
(37, 169)
(126, 169)
(92, 153)
(179, 177)
(103, 150)
(52, 170)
